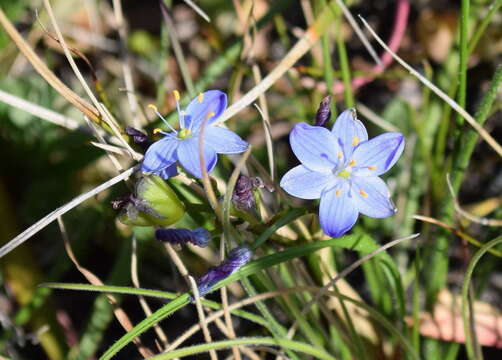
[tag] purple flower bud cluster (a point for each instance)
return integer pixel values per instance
(237, 258)
(243, 196)
(198, 237)
(324, 112)
(139, 137)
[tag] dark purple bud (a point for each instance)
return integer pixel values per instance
(237, 258)
(243, 196)
(120, 202)
(199, 237)
(138, 137)
(324, 112)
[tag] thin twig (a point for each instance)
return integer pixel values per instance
(46, 220)
(96, 281)
(457, 232)
(347, 271)
(126, 63)
(100, 138)
(178, 51)
(202, 317)
(39, 111)
(144, 305)
(198, 10)
(358, 31)
(467, 215)
(375, 119)
(482, 132)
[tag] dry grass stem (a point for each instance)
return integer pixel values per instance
(102, 141)
(46, 220)
(375, 118)
(126, 63)
(481, 131)
(86, 108)
(39, 111)
(198, 10)
(457, 232)
(144, 305)
(94, 280)
(348, 270)
(202, 317)
(467, 215)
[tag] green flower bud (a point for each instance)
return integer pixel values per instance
(153, 204)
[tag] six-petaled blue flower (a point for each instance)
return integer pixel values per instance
(183, 145)
(341, 167)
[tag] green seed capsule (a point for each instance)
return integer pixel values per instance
(154, 204)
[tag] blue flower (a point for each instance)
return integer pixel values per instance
(341, 167)
(183, 145)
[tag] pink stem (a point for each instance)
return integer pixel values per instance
(400, 23)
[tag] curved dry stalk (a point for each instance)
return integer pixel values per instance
(202, 317)
(46, 220)
(82, 105)
(302, 46)
(198, 10)
(119, 313)
(457, 232)
(467, 215)
(455, 106)
(144, 305)
(126, 63)
(39, 111)
(342, 274)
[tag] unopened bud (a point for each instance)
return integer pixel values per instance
(244, 192)
(324, 112)
(199, 236)
(237, 258)
(139, 137)
(154, 203)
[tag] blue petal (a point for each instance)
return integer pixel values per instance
(306, 184)
(349, 131)
(213, 101)
(372, 197)
(338, 210)
(224, 141)
(168, 172)
(315, 147)
(160, 154)
(188, 156)
(378, 155)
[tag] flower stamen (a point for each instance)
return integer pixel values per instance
(177, 97)
(154, 108)
(363, 193)
(372, 167)
(339, 155)
(338, 192)
(352, 163)
(200, 97)
(355, 141)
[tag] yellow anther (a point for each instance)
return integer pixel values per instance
(153, 107)
(355, 141)
(352, 163)
(372, 167)
(156, 131)
(176, 94)
(363, 193)
(210, 114)
(200, 97)
(338, 192)
(340, 155)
